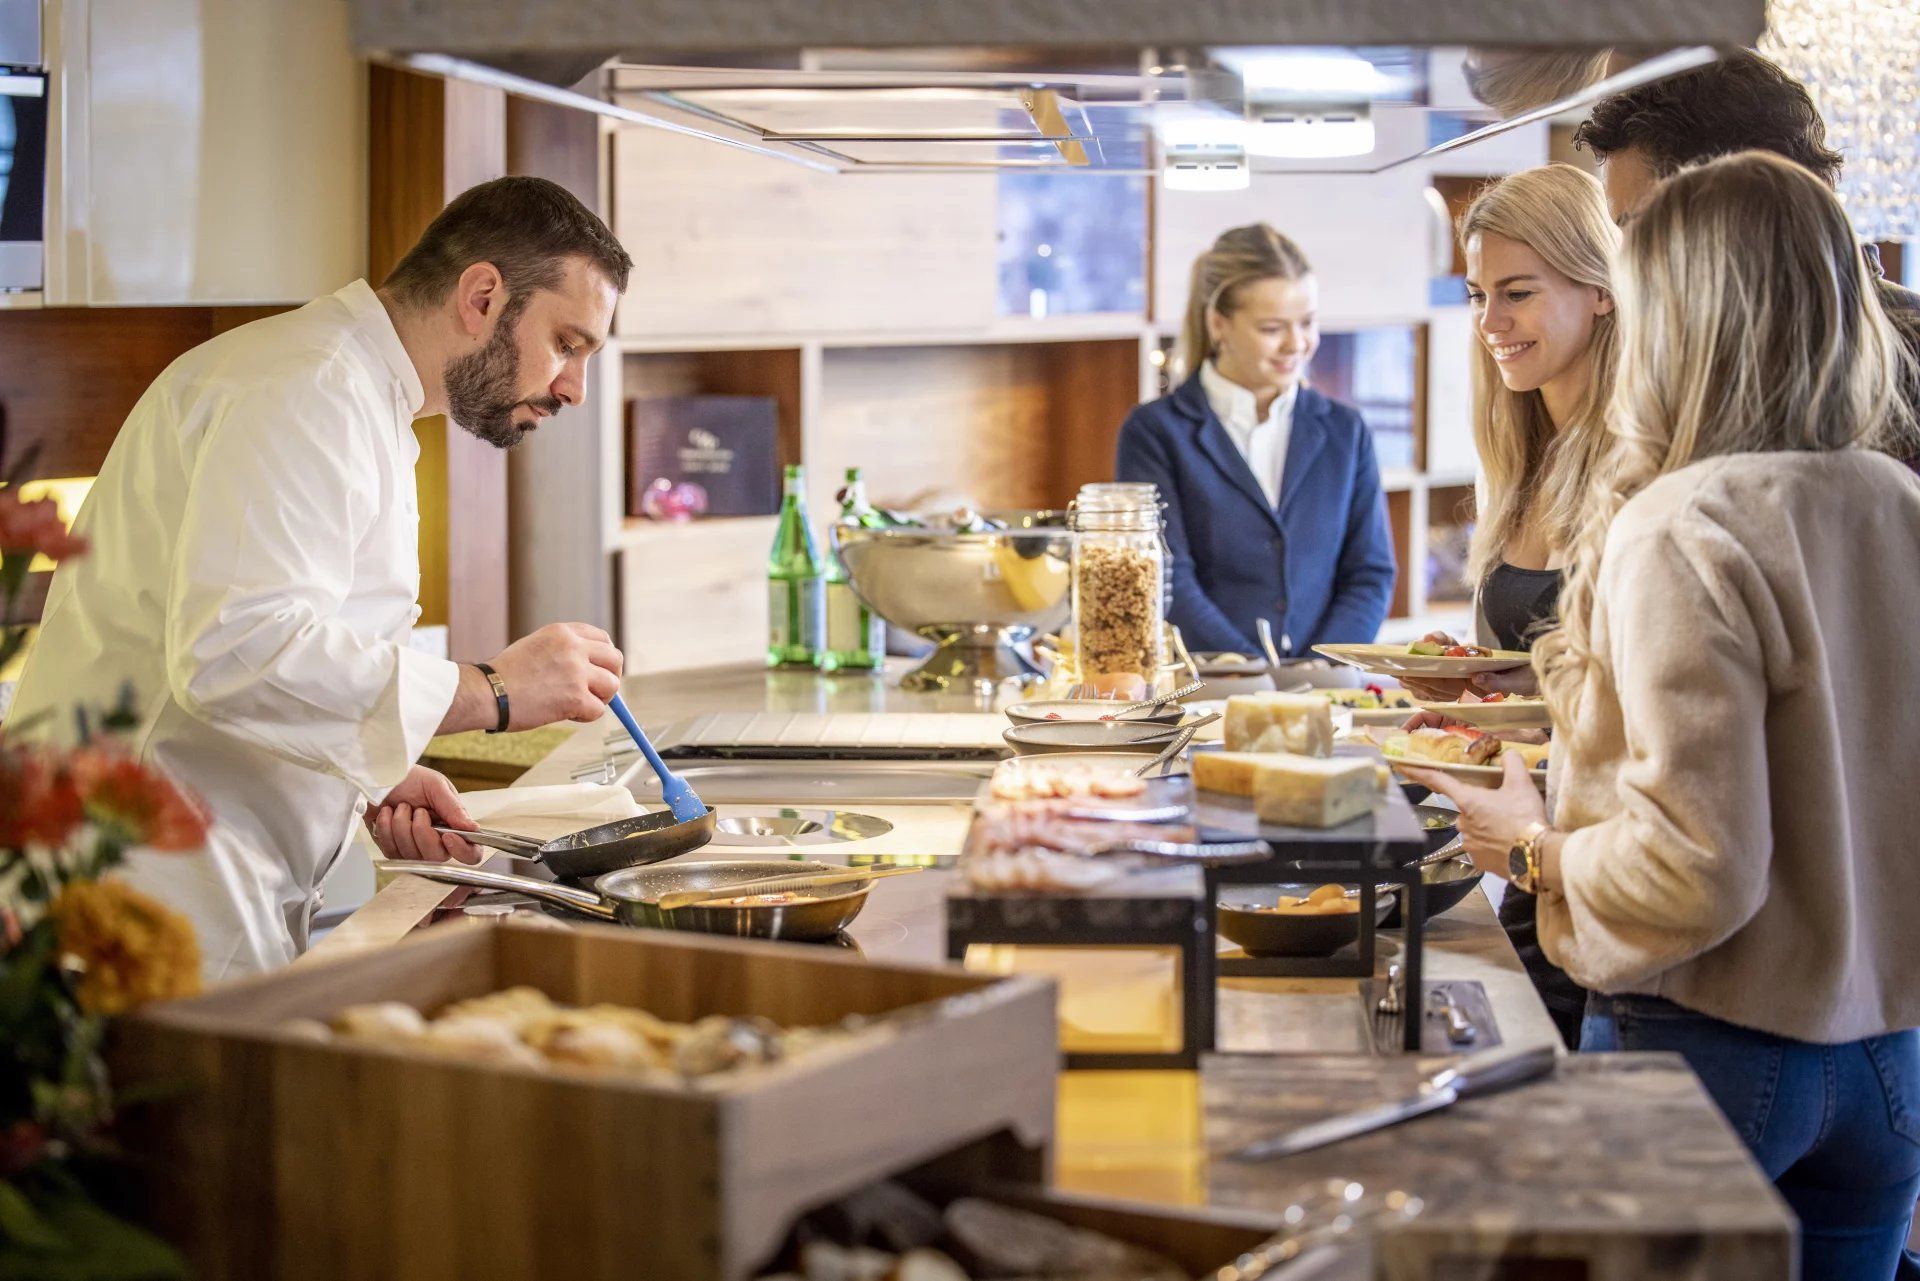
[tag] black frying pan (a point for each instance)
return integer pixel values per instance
(629, 842)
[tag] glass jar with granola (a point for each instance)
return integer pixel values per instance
(1119, 576)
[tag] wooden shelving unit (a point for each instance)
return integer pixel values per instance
(865, 307)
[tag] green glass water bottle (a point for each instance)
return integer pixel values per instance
(795, 615)
(856, 636)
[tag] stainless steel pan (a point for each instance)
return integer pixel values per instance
(628, 842)
(628, 896)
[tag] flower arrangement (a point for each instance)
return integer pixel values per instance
(75, 949)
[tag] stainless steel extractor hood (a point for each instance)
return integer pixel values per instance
(1218, 89)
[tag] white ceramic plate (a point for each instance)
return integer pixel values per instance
(1512, 713)
(1119, 762)
(1223, 665)
(1088, 736)
(1053, 711)
(1394, 660)
(1373, 717)
(1483, 775)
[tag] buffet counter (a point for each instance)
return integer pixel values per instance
(1579, 1168)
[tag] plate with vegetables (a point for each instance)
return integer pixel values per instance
(1426, 658)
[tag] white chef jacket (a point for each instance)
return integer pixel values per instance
(1261, 441)
(252, 578)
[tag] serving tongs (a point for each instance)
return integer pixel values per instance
(1148, 704)
(1274, 661)
(1332, 1212)
(1179, 744)
(1203, 853)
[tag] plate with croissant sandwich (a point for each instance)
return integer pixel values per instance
(1462, 751)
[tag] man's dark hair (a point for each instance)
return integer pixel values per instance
(525, 227)
(1741, 103)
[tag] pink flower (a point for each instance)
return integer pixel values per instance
(35, 527)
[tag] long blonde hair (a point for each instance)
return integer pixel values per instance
(1533, 466)
(1240, 257)
(1750, 325)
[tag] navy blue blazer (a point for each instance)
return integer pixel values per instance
(1320, 567)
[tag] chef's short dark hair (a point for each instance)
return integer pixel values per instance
(1743, 102)
(526, 227)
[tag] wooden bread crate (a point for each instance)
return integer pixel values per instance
(1204, 1242)
(269, 1155)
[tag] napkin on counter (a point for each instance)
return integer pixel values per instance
(543, 813)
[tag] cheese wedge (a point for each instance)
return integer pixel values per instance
(1231, 773)
(1272, 722)
(1301, 791)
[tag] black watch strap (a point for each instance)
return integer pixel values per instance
(499, 696)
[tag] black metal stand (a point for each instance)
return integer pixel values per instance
(1166, 909)
(1178, 908)
(1379, 865)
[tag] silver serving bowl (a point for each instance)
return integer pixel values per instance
(975, 595)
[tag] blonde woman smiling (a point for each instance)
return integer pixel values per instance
(1538, 247)
(1736, 682)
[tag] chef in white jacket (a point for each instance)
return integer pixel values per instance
(254, 569)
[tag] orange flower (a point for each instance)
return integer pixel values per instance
(39, 804)
(140, 804)
(35, 527)
(127, 948)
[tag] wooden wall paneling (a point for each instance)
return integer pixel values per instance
(729, 243)
(774, 373)
(557, 569)
(431, 140)
(1095, 386)
(934, 426)
(1400, 521)
(1893, 259)
(69, 376)
(695, 595)
(1420, 393)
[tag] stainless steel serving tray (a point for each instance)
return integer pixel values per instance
(823, 784)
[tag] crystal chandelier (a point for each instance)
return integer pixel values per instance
(1860, 59)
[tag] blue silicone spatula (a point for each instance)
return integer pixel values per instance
(674, 790)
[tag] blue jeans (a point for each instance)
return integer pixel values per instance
(1836, 1127)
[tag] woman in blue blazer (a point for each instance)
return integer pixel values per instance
(1274, 508)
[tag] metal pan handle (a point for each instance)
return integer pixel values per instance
(506, 842)
(477, 878)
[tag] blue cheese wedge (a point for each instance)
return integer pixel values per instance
(1304, 791)
(1272, 722)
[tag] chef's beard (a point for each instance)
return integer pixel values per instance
(482, 388)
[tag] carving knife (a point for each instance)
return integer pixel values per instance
(1477, 1074)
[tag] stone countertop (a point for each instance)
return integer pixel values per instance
(1621, 1163)
(1615, 1166)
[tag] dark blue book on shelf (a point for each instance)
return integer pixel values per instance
(728, 445)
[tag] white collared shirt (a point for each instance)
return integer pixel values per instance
(1261, 441)
(252, 579)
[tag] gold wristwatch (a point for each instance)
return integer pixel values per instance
(1523, 858)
